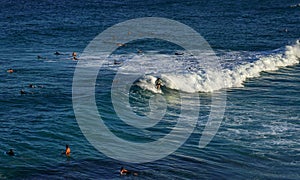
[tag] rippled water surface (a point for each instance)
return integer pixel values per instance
(259, 134)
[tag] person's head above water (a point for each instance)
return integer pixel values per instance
(22, 91)
(10, 70)
(68, 150)
(10, 152)
(123, 171)
(31, 86)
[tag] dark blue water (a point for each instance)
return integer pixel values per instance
(259, 134)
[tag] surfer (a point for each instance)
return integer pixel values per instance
(57, 53)
(74, 56)
(40, 57)
(179, 53)
(10, 152)
(22, 92)
(10, 70)
(124, 171)
(120, 44)
(158, 83)
(67, 152)
(31, 86)
(116, 62)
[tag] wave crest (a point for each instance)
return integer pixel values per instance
(212, 80)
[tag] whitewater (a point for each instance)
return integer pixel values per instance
(183, 74)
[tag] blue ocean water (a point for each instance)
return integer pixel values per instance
(255, 40)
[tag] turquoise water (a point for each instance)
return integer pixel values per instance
(258, 137)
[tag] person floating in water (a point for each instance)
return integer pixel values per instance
(179, 53)
(35, 86)
(41, 57)
(158, 83)
(120, 44)
(32, 86)
(22, 92)
(67, 152)
(10, 70)
(57, 53)
(116, 62)
(124, 171)
(74, 56)
(10, 152)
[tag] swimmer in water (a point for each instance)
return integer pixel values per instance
(22, 92)
(32, 86)
(124, 171)
(116, 62)
(10, 152)
(179, 53)
(10, 70)
(74, 56)
(57, 53)
(120, 44)
(40, 57)
(158, 83)
(67, 152)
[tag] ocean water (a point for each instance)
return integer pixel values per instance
(257, 43)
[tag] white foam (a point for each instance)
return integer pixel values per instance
(148, 83)
(184, 73)
(236, 77)
(213, 80)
